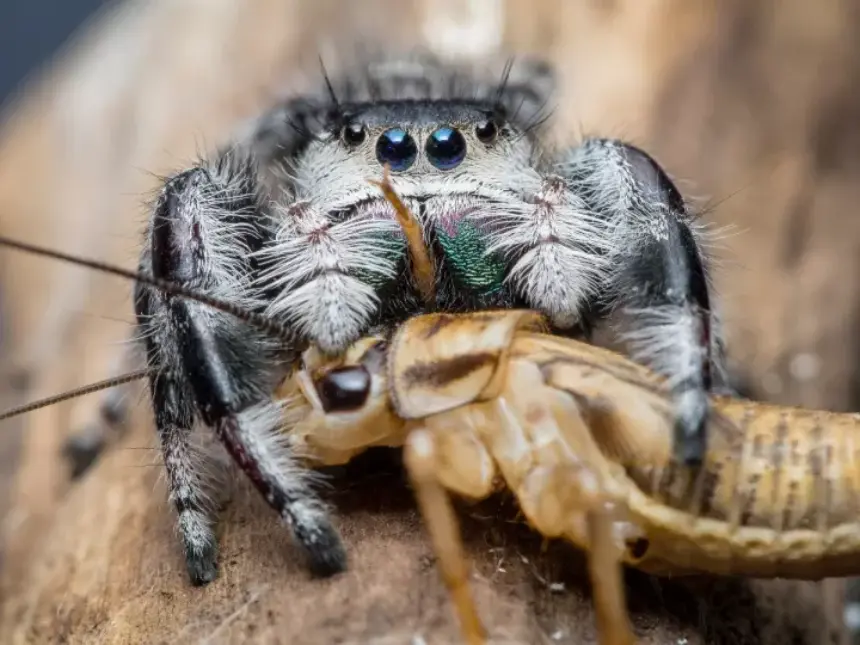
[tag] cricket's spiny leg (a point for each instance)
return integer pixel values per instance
(607, 580)
(204, 230)
(584, 507)
(420, 460)
(657, 280)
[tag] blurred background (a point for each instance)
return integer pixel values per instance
(28, 40)
(752, 105)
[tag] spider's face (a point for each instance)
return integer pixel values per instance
(435, 149)
(454, 163)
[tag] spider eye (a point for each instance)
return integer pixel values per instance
(354, 134)
(487, 132)
(446, 148)
(344, 388)
(397, 148)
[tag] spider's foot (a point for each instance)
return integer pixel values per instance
(325, 551)
(691, 418)
(202, 564)
(82, 450)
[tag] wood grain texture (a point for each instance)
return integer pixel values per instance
(753, 105)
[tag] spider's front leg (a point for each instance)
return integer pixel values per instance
(213, 368)
(605, 238)
(656, 283)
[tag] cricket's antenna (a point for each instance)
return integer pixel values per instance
(264, 324)
(422, 262)
(72, 394)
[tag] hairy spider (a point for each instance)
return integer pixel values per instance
(284, 222)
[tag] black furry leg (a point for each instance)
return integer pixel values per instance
(303, 514)
(173, 406)
(658, 282)
(196, 517)
(671, 314)
(86, 445)
(250, 433)
(214, 367)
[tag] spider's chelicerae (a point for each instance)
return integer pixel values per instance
(285, 222)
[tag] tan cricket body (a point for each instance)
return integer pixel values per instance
(583, 438)
(778, 494)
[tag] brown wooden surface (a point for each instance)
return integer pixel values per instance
(753, 105)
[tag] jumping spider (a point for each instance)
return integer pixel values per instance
(285, 223)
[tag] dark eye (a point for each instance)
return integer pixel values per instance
(354, 134)
(487, 132)
(344, 388)
(397, 148)
(446, 148)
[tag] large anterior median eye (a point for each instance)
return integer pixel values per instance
(397, 148)
(446, 148)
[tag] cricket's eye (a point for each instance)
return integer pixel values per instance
(397, 148)
(354, 134)
(344, 389)
(446, 148)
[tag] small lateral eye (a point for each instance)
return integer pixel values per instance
(344, 389)
(487, 131)
(354, 134)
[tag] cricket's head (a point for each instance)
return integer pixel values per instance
(339, 407)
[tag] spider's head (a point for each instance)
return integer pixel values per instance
(456, 156)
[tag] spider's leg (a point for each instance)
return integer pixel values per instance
(212, 366)
(656, 280)
(173, 406)
(252, 439)
(84, 446)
